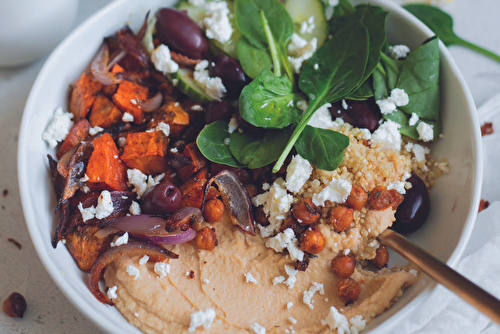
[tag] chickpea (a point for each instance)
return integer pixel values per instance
(396, 198)
(341, 217)
(312, 241)
(260, 216)
(252, 190)
(306, 212)
(206, 238)
(290, 222)
(212, 193)
(381, 258)
(357, 198)
(380, 198)
(348, 290)
(344, 266)
(213, 210)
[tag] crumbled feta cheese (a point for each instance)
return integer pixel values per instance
(121, 240)
(337, 191)
(419, 151)
(85, 188)
(344, 104)
(162, 60)
(144, 260)
(299, 50)
(197, 2)
(142, 182)
(58, 128)
(308, 294)
(336, 320)
(398, 51)
(162, 269)
(212, 86)
(250, 279)
(133, 271)
(278, 280)
(84, 179)
(302, 105)
(386, 106)
(357, 324)
(291, 272)
(322, 118)
(112, 292)
(206, 281)
(257, 329)
(127, 117)
(174, 150)
(266, 186)
(413, 119)
(135, 208)
(292, 320)
(216, 21)
(388, 135)
(399, 186)
(413, 272)
(133, 101)
(425, 131)
(202, 318)
(289, 305)
(163, 127)
(307, 27)
(95, 130)
(361, 134)
(87, 213)
(399, 97)
(316, 66)
(104, 205)
(136, 314)
(297, 173)
(233, 125)
(122, 141)
(346, 251)
(286, 239)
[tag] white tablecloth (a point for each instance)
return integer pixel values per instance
(50, 312)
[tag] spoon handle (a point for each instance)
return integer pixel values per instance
(443, 274)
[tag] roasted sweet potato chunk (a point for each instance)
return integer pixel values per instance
(75, 136)
(192, 190)
(85, 247)
(105, 169)
(104, 113)
(146, 151)
(83, 95)
(172, 114)
(127, 99)
(198, 162)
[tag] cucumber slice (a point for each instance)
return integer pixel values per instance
(301, 11)
(188, 86)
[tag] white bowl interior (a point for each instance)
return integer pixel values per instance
(454, 199)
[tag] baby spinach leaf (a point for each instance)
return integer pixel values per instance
(255, 149)
(385, 76)
(252, 59)
(270, 102)
(343, 7)
(210, 141)
(406, 129)
(442, 25)
(363, 92)
(323, 148)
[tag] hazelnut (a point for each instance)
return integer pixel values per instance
(348, 290)
(341, 217)
(344, 266)
(213, 210)
(15, 305)
(312, 241)
(381, 258)
(306, 212)
(206, 238)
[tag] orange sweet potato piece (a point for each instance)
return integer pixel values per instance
(127, 98)
(117, 69)
(105, 168)
(83, 95)
(77, 134)
(146, 151)
(85, 247)
(192, 189)
(104, 113)
(172, 114)
(199, 161)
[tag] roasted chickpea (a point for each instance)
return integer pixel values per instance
(290, 222)
(206, 238)
(306, 212)
(348, 290)
(357, 198)
(344, 266)
(396, 198)
(380, 198)
(312, 240)
(213, 210)
(212, 193)
(381, 258)
(260, 216)
(340, 217)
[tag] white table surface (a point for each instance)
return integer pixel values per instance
(20, 269)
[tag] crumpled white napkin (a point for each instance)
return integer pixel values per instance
(444, 312)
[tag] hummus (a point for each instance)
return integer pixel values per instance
(220, 282)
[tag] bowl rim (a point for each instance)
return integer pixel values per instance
(98, 318)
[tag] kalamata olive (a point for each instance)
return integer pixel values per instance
(218, 111)
(414, 210)
(180, 33)
(161, 199)
(360, 114)
(230, 72)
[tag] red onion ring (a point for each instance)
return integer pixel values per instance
(99, 67)
(116, 59)
(152, 103)
(155, 253)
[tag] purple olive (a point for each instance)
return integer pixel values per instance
(360, 114)
(218, 111)
(161, 199)
(230, 72)
(180, 33)
(414, 210)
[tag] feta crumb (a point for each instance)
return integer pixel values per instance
(87, 213)
(112, 292)
(135, 208)
(197, 2)
(299, 50)
(292, 320)
(337, 191)
(302, 105)
(308, 294)
(425, 131)
(257, 329)
(233, 125)
(344, 104)
(206, 281)
(266, 186)
(95, 130)
(58, 128)
(336, 320)
(307, 27)
(346, 251)
(104, 205)
(133, 271)
(127, 117)
(398, 51)
(202, 318)
(286, 239)
(136, 314)
(388, 135)
(216, 21)
(162, 269)
(122, 141)
(163, 127)
(250, 279)
(133, 101)
(289, 304)
(162, 60)
(316, 66)
(85, 188)
(212, 86)
(297, 173)
(413, 272)
(144, 260)
(398, 98)
(322, 118)
(278, 279)
(175, 82)
(386, 106)
(291, 272)
(413, 119)
(419, 151)
(357, 324)
(142, 182)
(121, 240)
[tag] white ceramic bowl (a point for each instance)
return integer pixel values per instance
(454, 199)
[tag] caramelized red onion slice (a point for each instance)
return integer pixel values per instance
(155, 253)
(152, 103)
(99, 67)
(235, 198)
(116, 59)
(183, 218)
